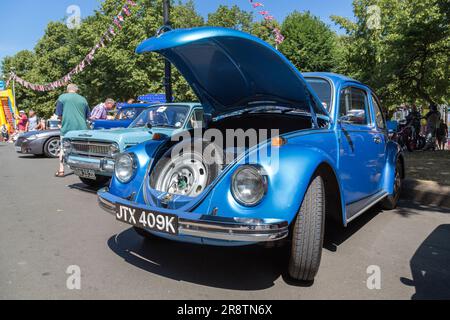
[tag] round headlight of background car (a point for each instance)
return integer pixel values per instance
(249, 185)
(114, 150)
(67, 146)
(125, 167)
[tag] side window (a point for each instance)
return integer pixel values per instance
(379, 117)
(196, 120)
(354, 106)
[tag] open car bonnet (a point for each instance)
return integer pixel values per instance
(230, 70)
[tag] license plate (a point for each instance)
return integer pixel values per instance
(85, 173)
(18, 149)
(155, 221)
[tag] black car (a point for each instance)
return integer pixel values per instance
(39, 143)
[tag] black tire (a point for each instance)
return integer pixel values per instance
(49, 147)
(99, 182)
(390, 202)
(308, 233)
(212, 168)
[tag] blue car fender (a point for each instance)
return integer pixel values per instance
(393, 152)
(144, 155)
(287, 185)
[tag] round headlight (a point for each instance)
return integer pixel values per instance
(114, 150)
(249, 185)
(67, 146)
(125, 167)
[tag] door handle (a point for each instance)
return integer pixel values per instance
(377, 139)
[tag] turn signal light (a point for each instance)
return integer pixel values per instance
(157, 137)
(278, 142)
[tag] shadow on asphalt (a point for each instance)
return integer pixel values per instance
(336, 234)
(83, 187)
(406, 206)
(236, 268)
(430, 266)
(240, 268)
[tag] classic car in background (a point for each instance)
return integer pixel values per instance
(91, 154)
(39, 143)
(328, 165)
(123, 117)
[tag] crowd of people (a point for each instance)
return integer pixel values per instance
(32, 122)
(435, 130)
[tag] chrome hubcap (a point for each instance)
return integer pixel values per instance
(186, 175)
(53, 147)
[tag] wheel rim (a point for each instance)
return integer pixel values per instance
(53, 148)
(185, 175)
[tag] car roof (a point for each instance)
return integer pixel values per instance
(334, 77)
(145, 105)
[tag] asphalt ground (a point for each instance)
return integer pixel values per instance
(49, 224)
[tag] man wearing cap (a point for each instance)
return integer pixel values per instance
(73, 111)
(22, 121)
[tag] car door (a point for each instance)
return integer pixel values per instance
(380, 129)
(359, 145)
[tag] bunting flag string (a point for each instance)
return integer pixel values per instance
(279, 38)
(108, 36)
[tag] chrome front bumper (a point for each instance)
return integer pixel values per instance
(217, 228)
(103, 166)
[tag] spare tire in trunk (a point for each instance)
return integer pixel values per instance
(188, 168)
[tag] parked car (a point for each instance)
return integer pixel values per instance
(327, 164)
(122, 118)
(39, 143)
(53, 124)
(91, 154)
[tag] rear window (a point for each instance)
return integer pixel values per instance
(323, 90)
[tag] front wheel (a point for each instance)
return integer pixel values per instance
(52, 147)
(307, 236)
(390, 202)
(100, 181)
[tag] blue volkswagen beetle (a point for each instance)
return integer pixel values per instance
(321, 149)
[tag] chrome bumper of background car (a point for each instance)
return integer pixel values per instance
(99, 165)
(245, 230)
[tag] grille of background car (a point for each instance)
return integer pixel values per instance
(91, 149)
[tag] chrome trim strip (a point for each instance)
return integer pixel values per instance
(93, 164)
(106, 205)
(377, 198)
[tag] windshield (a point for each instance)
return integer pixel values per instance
(128, 113)
(323, 90)
(173, 116)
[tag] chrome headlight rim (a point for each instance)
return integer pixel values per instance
(258, 171)
(114, 150)
(133, 168)
(66, 145)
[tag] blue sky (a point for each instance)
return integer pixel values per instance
(23, 21)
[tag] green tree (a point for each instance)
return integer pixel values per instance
(117, 71)
(231, 17)
(310, 44)
(400, 48)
